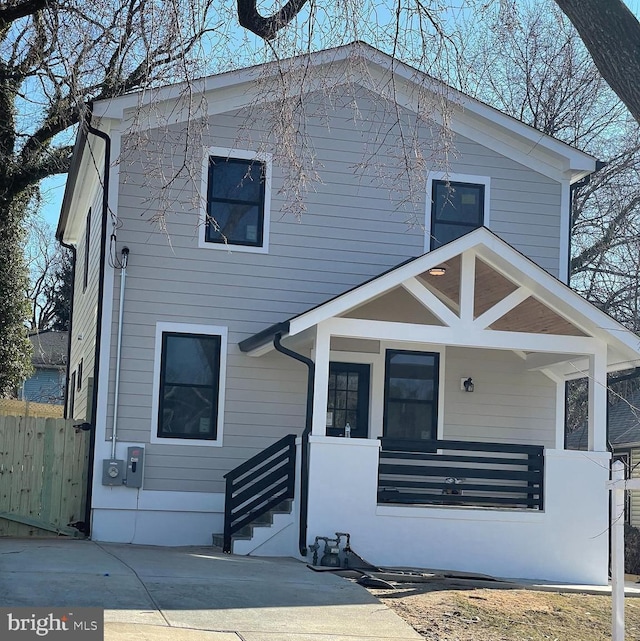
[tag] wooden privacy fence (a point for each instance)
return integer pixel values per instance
(43, 476)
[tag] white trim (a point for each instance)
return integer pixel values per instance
(188, 328)
(455, 513)
(597, 417)
(102, 445)
(561, 400)
(473, 119)
(431, 302)
(467, 286)
(322, 347)
(242, 154)
(462, 336)
(460, 178)
(565, 230)
(502, 307)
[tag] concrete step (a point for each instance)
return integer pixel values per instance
(263, 521)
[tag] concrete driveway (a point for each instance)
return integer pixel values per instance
(193, 594)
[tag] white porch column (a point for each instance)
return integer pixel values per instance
(321, 380)
(597, 421)
(561, 399)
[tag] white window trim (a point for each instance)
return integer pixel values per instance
(184, 328)
(460, 178)
(242, 154)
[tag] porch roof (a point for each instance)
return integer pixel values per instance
(487, 286)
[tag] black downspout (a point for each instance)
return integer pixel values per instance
(304, 454)
(96, 365)
(600, 164)
(72, 249)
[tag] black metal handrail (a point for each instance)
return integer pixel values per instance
(442, 472)
(258, 485)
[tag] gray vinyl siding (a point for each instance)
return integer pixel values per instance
(85, 305)
(352, 230)
(509, 404)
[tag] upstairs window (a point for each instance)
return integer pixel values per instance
(456, 209)
(236, 191)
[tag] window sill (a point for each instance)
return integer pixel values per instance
(230, 248)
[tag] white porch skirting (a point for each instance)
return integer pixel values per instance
(567, 542)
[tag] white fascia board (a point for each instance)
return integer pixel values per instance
(473, 119)
(234, 80)
(91, 168)
(559, 296)
(491, 128)
(462, 336)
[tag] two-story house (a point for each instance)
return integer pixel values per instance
(402, 383)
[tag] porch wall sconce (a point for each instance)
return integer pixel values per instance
(466, 384)
(437, 271)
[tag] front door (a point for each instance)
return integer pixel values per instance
(411, 395)
(348, 399)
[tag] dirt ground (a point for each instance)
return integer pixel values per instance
(466, 610)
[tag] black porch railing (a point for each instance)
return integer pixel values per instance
(259, 485)
(467, 473)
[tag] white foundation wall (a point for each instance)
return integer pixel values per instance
(149, 517)
(567, 542)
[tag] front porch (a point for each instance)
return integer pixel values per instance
(436, 418)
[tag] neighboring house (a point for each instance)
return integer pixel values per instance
(623, 438)
(445, 361)
(49, 360)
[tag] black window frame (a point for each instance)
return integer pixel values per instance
(210, 232)
(79, 381)
(436, 391)
(450, 186)
(87, 244)
(72, 396)
(363, 392)
(215, 388)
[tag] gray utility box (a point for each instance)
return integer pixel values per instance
(135, 460)
(113, 472)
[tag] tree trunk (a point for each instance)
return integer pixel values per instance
(611, 34)
(15, 349)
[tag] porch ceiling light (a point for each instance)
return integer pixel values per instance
(438, 271)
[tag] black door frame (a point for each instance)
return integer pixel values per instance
(364, 397)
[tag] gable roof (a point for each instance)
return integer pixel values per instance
(375, 70)
(49, 349)
(582, 318)
(472, 118)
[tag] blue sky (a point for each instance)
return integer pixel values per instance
(53, 188)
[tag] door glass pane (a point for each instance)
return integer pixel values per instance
(411, 376)
(411, 393)
(348, 399)
(413, 421)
